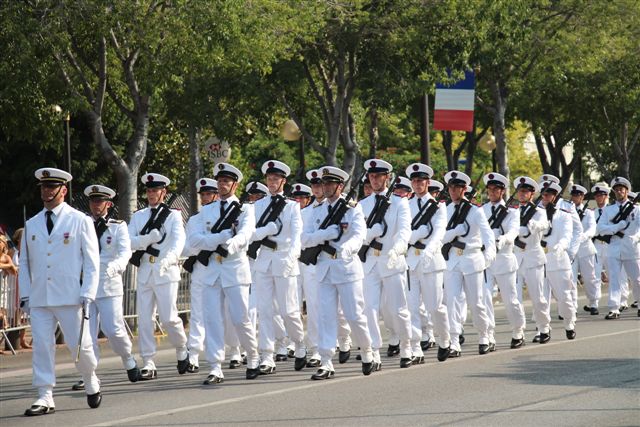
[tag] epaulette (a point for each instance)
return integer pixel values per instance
(115, 221)
(564, 210)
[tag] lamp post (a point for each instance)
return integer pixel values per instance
(488, 143)
(291, 133)
(67, 142)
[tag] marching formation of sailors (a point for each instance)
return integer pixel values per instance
(402, 253)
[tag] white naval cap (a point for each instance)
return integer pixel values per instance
(256, 188)
(228, 170)
(578, 189)
(620, 180)
(155, 180)
(298, 189)
(494, 178)
(435, 186)
(377, 166)
(52, 176)
(600, 188)
(333, 174)
(277, 167)
(313, 176)
(526, 183)
(457, 178)
(97, 191)
(548, 186)
(206, 184)
(418, 170)
(632, 195)
(548, 177)
(469, 189)
(404, 183)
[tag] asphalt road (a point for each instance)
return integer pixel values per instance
(593, 380)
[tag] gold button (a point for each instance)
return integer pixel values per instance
(49, 241)
(49, 254)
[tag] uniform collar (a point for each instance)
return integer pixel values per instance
(56, 211)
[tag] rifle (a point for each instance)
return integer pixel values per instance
(524, 220)
(551, 210)
(310, 255)
(623, 214)
(423, 217)
(463, 211)
(154, 224)
(270, 214)
(499, 215)
(85, 317)
(376, 217)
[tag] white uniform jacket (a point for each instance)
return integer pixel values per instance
(285, 257)
(478, 234)
(587, 248)
(576, 227)
(346, 266)
(170, 248)
(532, 255)
(559, 241)
(115, 251)
(234, 269)
(505, 261)
(430, 258)
(52, 265)
(398, 231)
(627, 247)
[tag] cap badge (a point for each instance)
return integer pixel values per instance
(46, 173)
(203, 182)
(416, 167)
(94, 189)
(491, 176)
(150, 178)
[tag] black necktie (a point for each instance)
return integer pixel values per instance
(49, 221)
(599, 214)
(154, 211)
(493, 210)
(419, 204)
(523, 209)
(222, 203)
(329, 209)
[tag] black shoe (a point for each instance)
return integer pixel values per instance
(393, 350)
(323, 374)
(36, 410)
(623, 308)
(300, 363)
(183, 365)
(253, 373)
(148, 374)
(571, 334)
(612, 315)
(536, 338)
(291, 353)
(244, 359)
(483, 348)
(281, 357)
(517, 342)
(492, 347)
(358, 357)
(213, 379)
(634, 304)
(367, 368)
(133, 374)
(233, 364)
(405, 362)
(586, 308)
(193, 369)
(594, 311)
(377, 366)
(417, 360)
(454, 353)
(343, 356)
(267, 370)
(313, 363)
(443, 353)
(560, 317)
(426, 345)
(94, 400)
(78, 386)
(461, 338)
(638, 313)
(544, 338)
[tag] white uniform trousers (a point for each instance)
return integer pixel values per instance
(310, 289)
(426, 292)
(561, 283)
(283, 290)
(615, 268)
(230, 336)
(455, 283)
(253, 306)
(389, 290)
(106, 314)
(163, 298)
(344, 330)
(195, 342)
(237, 299)
(513, 307)
(586, 266)
(349, 296)
(534, 279)
(43, 328)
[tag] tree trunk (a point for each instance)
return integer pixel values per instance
(499, 95)
(446, 144)
(127, 192)
(374, 136)
(195, 172)
(471, 149)
(349, 144)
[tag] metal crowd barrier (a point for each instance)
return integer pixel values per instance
(11, 317)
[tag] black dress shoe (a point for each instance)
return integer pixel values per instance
(634, 304)
(492, 347)
(612, 315)
(94, 400)
(405, 362)
(343, 356)
(323, 374)
(377, 366)
(417, 360)
(571, 334)
(183, 365)
(133, 374)
(426, 345)
(313, 363)
(483, 348)
(291, 353)
(253, 373)
(267, 370)
(454, 353)
(148, 374)
(367, 368)
(358, 357)
(233, 364)
(623, 308)
(594, 311)
(544, 338)
(638, 313)
(461, 338)
(536, 338)
(281, 357)
(560, 317)
(300, 363)
(36, 410)
(443, 353)
(586, 308)
(244, 359)
(393, 350)
(193, 369)
(78, 386)
(213, 379)
(517, 342)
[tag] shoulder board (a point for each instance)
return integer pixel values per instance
(317, 206)
(115, 221)
(565, 210)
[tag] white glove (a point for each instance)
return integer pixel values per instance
(523, 230)
(375, 231)
(460, 230)
(111, 271)
(345, 255)
(622, 225)
(330, 233)
(164, 265)
(24, 305)
(489, 258)
(393, 260)
(418, 234)
(635, 239)
(502, 240)
(225, 236)
(86, 301)
(268, 230)
(558, 249)
(154, 236)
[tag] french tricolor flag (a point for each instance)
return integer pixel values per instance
(454, 104)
